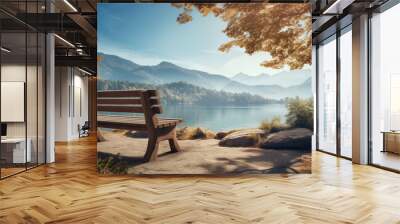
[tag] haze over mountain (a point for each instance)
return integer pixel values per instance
(112, 67)
(184, 93)
(284, 78)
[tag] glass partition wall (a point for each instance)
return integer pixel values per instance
(345, 91)
(327, 95)
(334, 104)
(22, 78)
(385, 90)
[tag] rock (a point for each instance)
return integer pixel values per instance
(136, 134)
(299, 138)
(243, 138)
(220, 135)
(190, 133)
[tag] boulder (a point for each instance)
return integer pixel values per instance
(298, 138)
(190, 133)
(243, 138)
(222, 134)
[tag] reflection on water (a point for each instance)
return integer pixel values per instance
(224, 118)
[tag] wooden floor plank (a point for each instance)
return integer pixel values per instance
(71, 191)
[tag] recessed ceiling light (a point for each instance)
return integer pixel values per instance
(70, 5)
(5, 50)
(64, 40)
(84, 71)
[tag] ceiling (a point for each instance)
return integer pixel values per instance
(75, 22)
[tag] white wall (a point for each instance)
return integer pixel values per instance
(62, 81)
(12, 73)
(70, 84)
(33, 126)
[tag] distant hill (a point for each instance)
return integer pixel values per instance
(184, 93)
(115, 68)
(284, 79)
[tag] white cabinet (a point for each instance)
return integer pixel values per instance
(17, 147)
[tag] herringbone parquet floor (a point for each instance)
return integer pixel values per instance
(70, 191)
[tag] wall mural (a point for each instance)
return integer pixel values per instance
(204, 88)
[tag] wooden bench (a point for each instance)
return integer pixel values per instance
(144, 106)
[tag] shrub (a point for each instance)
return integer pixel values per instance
(300, 113)
(190, 133)
(111, 164)
(273, 125)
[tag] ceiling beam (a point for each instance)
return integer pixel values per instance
(337, 7)
(49, 22)
(77, 61)
(83, 23)
(202, 1)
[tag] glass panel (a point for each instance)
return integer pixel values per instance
(23, 82)
(13, 86)
(346, 94)
(327, 96)
(41, 99)
(31, 98)
(385, 84)
(32, 88)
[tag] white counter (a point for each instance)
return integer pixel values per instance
(19, 153)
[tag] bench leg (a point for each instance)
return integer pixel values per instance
(152, 149)
(173, 141)
(173, 144)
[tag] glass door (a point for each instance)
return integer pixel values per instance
(327, 96)
(346, 93)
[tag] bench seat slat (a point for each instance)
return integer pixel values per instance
(125, 109)
(132, 123)
(125, 93)
(153, 101)
(119, 101)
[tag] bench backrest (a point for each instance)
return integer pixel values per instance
(145, 102)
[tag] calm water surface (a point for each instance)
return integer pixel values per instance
(224, 118)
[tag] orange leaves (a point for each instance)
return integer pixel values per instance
(282, 30)
(184, 18)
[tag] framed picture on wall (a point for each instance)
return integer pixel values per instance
(204, 88)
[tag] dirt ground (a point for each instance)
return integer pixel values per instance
(204, 157)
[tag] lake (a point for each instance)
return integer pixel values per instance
(224, 118)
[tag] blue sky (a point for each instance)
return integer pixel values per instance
(148, 33)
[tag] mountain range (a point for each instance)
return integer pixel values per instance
(115, 68)
(184, 93)
(284, 78)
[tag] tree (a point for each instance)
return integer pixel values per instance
(282, 30)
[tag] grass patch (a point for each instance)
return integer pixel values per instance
(273, 125)
(111, 164)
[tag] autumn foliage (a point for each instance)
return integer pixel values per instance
(282, 30)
